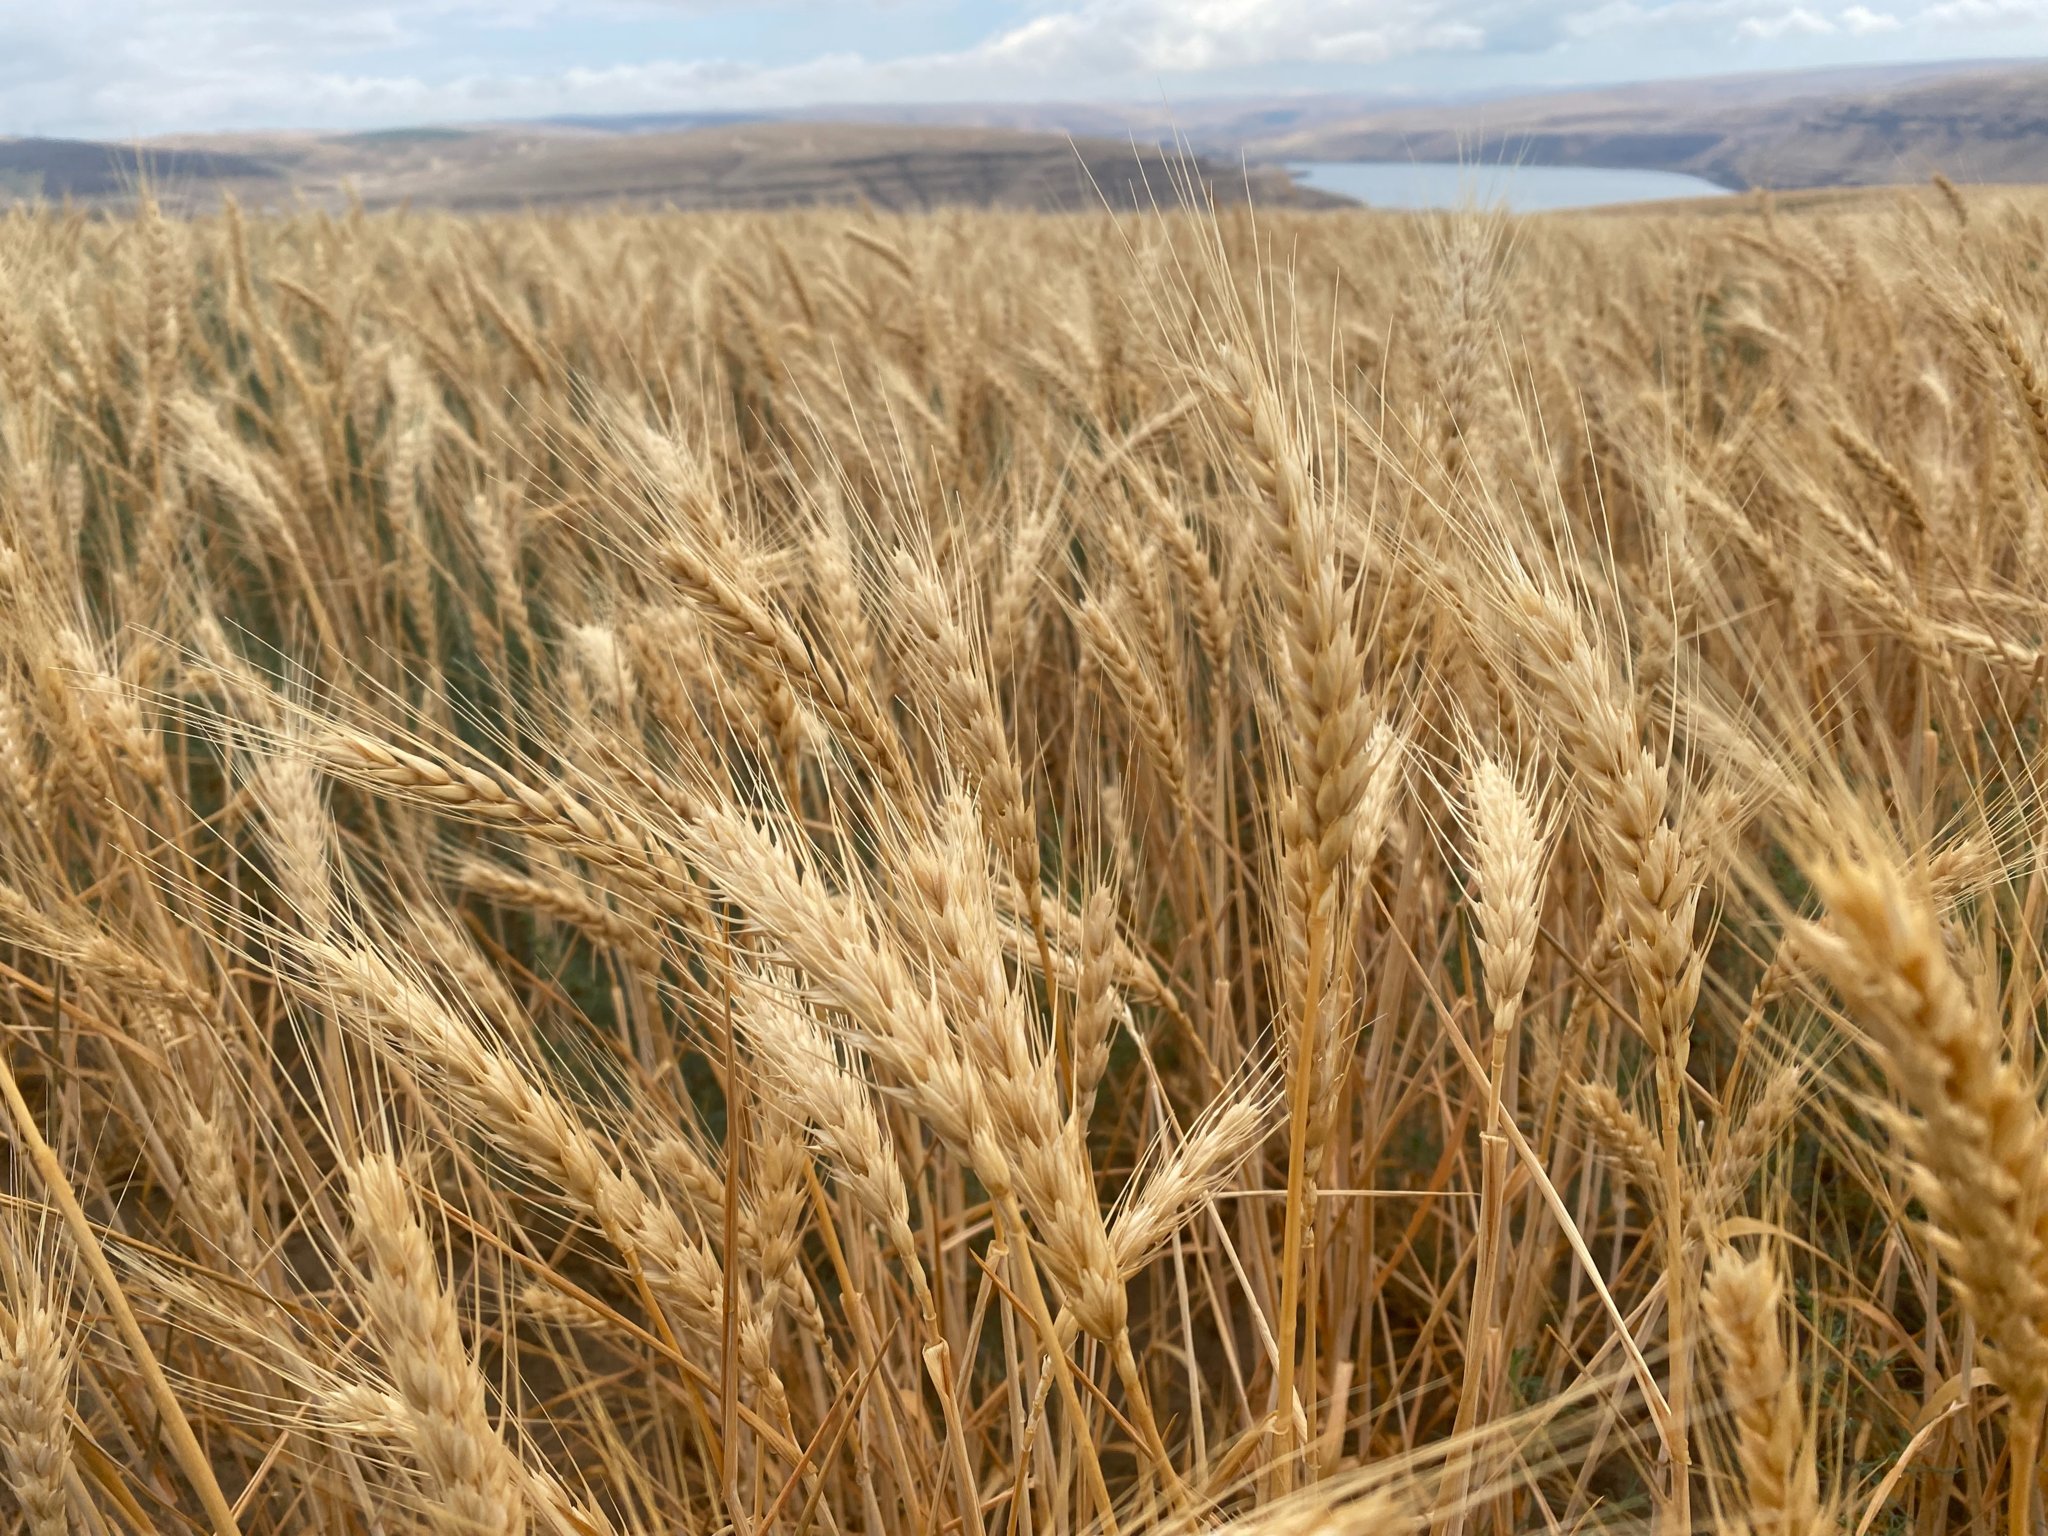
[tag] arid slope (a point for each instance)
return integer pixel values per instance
(1975, 123)
(897, 168)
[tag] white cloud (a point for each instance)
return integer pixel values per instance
(1708, 23)
(115, 68)
(121, 67)
(192, 64)
(1613, 16)
(1797, 22)
(1752, 19)
(1101, 37)
(346, 99)
(1986, 13)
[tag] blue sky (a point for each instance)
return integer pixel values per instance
(123, 68)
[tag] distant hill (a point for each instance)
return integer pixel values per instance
(654, 122)
(1854, 125)
(85, 171)
(751, 164)
(1976, 122)
(1221, 125)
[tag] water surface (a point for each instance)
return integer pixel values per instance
(1524, 188)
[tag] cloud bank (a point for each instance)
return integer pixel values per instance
(122, 67)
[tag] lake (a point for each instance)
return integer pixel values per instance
(1524, 188)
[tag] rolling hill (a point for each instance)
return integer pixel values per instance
(755, 164)
(1974, 122)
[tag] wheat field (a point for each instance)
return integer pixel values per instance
(988, 874)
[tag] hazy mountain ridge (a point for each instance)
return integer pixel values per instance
(84, 169)
(749, 165)
(1831, 128)
(1976, 122)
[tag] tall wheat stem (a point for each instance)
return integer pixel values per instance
(1013, 1229)
(1298, 1216)
(191, 1457)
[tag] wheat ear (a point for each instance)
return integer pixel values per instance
(1743, 1303)
(473, 1475)
(1975, 1133)
(35, 1403)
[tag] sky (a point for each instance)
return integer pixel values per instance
(124, 69)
